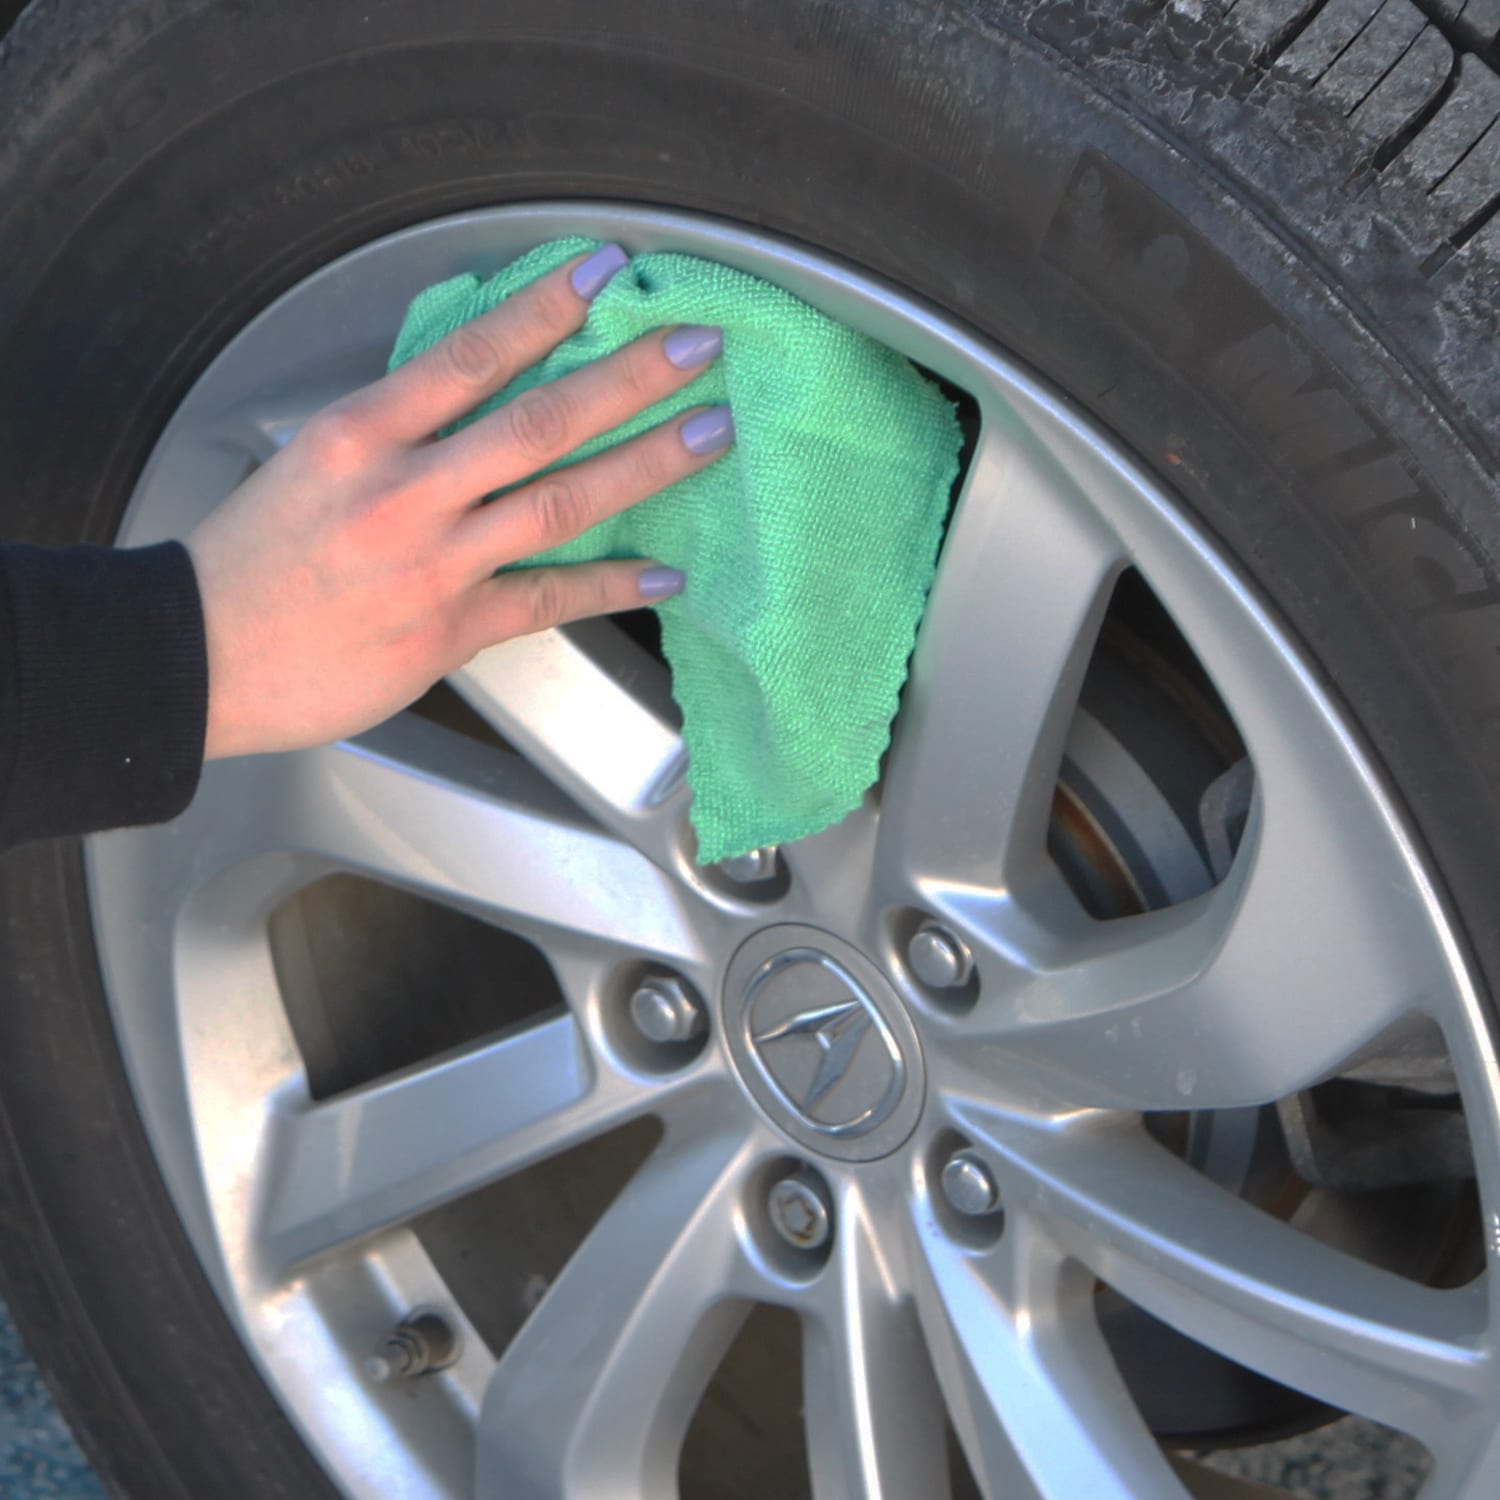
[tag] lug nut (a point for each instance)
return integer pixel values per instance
(799, 1213)
(939, 959)
(665, 1010)
(969, 1185)
(747, 869)
(421, 1343)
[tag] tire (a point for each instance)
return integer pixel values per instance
(1261, 247)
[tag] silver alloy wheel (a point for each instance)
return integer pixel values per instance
(1327, 934)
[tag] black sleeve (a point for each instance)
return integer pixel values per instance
(103, 688)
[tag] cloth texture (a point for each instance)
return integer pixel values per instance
(809, 548)
(103, 688)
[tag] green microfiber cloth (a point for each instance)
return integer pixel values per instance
(809, 548)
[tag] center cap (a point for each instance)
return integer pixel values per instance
(823, 1043)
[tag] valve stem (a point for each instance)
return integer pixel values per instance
(419, 1345)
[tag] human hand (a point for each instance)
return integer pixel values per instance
(357, 567)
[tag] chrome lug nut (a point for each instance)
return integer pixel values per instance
(969, 1185)
(748, 868)
(665, 1010)
(421, 1343)
(939, 959)
(799, 1213)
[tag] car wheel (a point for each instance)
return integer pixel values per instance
(1117, 1087)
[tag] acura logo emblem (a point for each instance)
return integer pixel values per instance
(821, 1043)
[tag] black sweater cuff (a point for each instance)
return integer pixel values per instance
(103, 688)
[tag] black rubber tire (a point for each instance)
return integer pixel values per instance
(1256, 239)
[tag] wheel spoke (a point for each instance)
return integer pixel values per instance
(1032, 1392)
(873, 1413)
(206, 453)
(1315, 945)
(340, 1170)
(427, 809)
(263, 426)
(1025, 576)
(594, 712)
(1247, 1284)
(595, 1394)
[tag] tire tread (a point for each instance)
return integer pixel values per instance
(1361, 126)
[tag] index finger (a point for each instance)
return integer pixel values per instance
(472, 363)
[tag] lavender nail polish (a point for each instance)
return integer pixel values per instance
(591, 276)
(708, 431)
(661, 583)
(692, 345)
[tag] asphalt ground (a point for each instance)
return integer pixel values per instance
(38, 1456)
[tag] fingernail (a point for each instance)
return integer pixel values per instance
(692, 345)
(590, 276)
(661, 583)
(709, 430)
